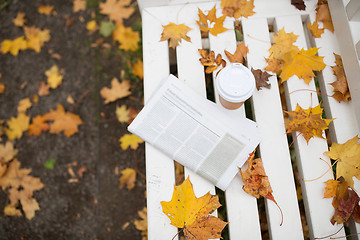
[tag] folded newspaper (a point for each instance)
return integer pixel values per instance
(196, 132)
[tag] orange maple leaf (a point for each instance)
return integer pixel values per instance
(238, 8)
(38, 125)
(239, 55)
(341, 88)
(63, 121)
(117, 90)
(315, 30)
(174, 33)
(209, 61)
(117, 10)
(210, 18)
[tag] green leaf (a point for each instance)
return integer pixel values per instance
(50, 164)
(106, 28)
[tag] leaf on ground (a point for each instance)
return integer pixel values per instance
(130, 140)
(238, 8)
(302, 64)
(79, 5)
(13, 46)
(192, 214)
(106, 28)
(299, 4)
(92, 26)
(138, 69)
(35, 98)
(307, 121)
(117, 10)
(141, 224)
(209, 61)
(70, 100)
(21, 187)
(16, 126)
(43, 89)
(20, 20)
(216, 24)
(347, 155)
(315, 30)
(36, 37)
(128, 178)
(261, 78)
(122, 114)
(50, 164)
(323, 15)
(10, 210)
(331, 188)
(23, 105)
(2, 88)
(341, 89)
(54, 78)
(128, 39)
(283, 44)
(117, 90)
(239, 55)
(174, 33)
(63, 121)
(46, 9)
(7, 152)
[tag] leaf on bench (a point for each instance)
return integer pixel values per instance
(238, 8)
(341, 88)
(174, 33)
(210, 19)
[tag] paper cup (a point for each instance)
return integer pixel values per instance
(235, 84)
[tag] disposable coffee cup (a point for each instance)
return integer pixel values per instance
(235, 84)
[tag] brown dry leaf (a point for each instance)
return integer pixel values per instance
(23, 105)
(307, 121)
(209, 61)
(138, 69)
(331, 188)
(79, 5)
(128, 177)
(7, 152)
(46, 9)
(130, 140)
(315, 30)
(122, 114)
(20, 20)
(239, 55)
(323, 15)
(261, 78)
(210, 18)
(43, 89)
(299, 4)
(54, 78)
(192, 214)
(128, 39)
(16, 126)
(237, 8)
(38, 125)
(174, 33)
(63, 121)
(341, 89)
(141, 224)
(117, 10)
(70, 100)
(117, 90)
(2, 88)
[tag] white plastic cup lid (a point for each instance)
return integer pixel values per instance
(235, 83)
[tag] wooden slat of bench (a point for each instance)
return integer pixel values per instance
(274, 149)
(318, 209)
(242, 210)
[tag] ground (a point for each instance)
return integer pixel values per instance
(94, 207)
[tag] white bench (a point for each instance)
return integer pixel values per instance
(242, 209)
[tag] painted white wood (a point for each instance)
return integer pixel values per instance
(318, 210)
(160, 173)
(274, 154)
(242, 210)
(353, 10)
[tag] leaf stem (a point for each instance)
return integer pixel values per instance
(331, 234)
(309, 91)
(294, 140)
(330, 168)
(345, 236)
(177, 234)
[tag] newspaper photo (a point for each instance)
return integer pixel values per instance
(197, 133)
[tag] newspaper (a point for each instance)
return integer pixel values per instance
(197, 133)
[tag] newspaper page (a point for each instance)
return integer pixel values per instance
(194, 131)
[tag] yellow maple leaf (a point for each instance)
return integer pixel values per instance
(283, 44)
(331, 188)
(117, 10)
(7, 152)
(79, 5)
(210, 18)
(23, 105)
(141, 224)
(38, 125)
(128, 177)
(20, 20)
(239, 55)
(13, 46)
(91, 26)
(17, 126)
(307, 121)
(138, 69)
(117, 90)
(130, 140)
(63, 121)
(315, 30)
(347, 156)
(46, 9)
(127, 38)
(36, 37)
(54, 79)
(238, 8)
(11, 210)
(192, 214)
(174, 33)
(122, 114)
(302, 64)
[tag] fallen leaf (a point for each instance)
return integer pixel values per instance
(54, 78)
(283, 44)
(117, 10)
(192, 214)
(125, 226)
(7, 152)
(43, 89)
(35, 37)
(63, 121)
(80, 171)
(299, 4)
(38, 125)
(341, 89)
(91, 26)
(323, 15)
(117, 90)
(10, 210)
(174, 33)
(216, 24)
(128, 177)
(17, 126)
(50, 164)
(331, 188)
(128, 39)
(347, 156)
(141, 224)
(107, 28)
(70, 100)
(2, 88)
(35, 98)
(315, 30)
(79, 5)
(307, 121)
(13, 46)
(122, 114)
(209, 61)
(23, 105)
(138, 69)
(239, 55)
(261, 78)
(302, 64)
(130, 140)
(237, 8)
(20, 20)
(46, 9)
